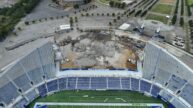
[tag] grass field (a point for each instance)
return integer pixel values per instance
(172, 2)
(107, 1)
(157, 17)
(98, 97)
(162, 8)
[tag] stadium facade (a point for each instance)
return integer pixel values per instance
(164, 76)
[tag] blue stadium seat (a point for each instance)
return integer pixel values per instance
(32, 95)
(8, 93)
(22, 104)
(187, 93)
(71, 85)
(155, 90)
(134, 84)
(125, 83)
(114, 83)
(98, 83)
(52, 86)
(144, 86)
(62, 83)
(42, 90)
(23, 82)
(83, 83)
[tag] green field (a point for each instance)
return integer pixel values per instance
(98, 97)
(157, 17)
(162, 8)
(107, 1)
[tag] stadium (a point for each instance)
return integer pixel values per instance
(96, 54)
(164, 76)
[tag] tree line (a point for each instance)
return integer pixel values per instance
(10, 16)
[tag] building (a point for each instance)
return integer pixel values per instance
(63, 28)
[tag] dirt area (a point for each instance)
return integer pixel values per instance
(168, 1)
(97, 50)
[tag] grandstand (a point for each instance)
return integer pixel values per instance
(166, 75)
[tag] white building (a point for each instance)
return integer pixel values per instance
(63, 28)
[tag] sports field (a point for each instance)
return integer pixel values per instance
(157, 17)
(162, 8)
(98, 97)
(171, 2)
(107, 1)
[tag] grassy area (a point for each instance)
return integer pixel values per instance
(98, 97)
(107, 1)
(157, 17)
(162, 8)
(172, 2)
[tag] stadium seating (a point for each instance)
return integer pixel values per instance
(83, 83)
(32, 95)
(144, 86)
(166, 95)
(71, 85)
(42, 90)
(125, 83)
(52, 86)
(165, 74)
(23, 82)
(150, 60)
(21, 104)
(175, 83)
(114, 83)
(98, 83)
(187, 93)
(155, 90)
(62, 83)
(46, 56)
(134, 84)
(177, 103)
(8, 92)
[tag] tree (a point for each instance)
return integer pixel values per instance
(112, 3)
(182, 21)
(113, 14)
(118, 18)
(71, 21)
(123, 5)
(76, 6)
(87, 14)
(76, 19)
(114, 20)
(26, 23)
(110, 24)
(19, 28)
